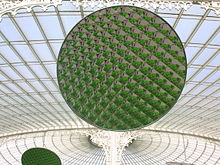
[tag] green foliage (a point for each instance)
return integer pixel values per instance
(123, 66)
(114, 60)
(124, 14)
(125, 93)
(112, 45)
(137, 64)
(151, 62)
(145, 70)
(121, 52)
(119, 101)
(141, 27)
(106, 115)
(132, 99)
(127, 43)
(111, 95)
(148, 19)
(150, 47)
(132, 20)
(165, 32)
(130, 72)
(159, 68)
(149, 34)
(131, 85)
(146, 84)
(95, 83)
(117, 87)
(112, 107)
(108, 67)
(103, 89)
(116, 73)
(123, 79)
(127, 29)
(157, 40)
(142, 41)
(144, 56)
(104, 103)
(138, 78)
(109, 81)
(156, 25)
(129, 58)
(139, 91)
(140, 12)
(119, 113)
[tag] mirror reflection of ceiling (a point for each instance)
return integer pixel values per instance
(30, 100)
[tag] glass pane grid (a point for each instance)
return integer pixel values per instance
(30, 98)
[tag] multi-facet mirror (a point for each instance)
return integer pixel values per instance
(121, 68)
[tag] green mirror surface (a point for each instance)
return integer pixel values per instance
(40, 156)
(121, 68)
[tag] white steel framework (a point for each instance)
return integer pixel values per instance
(34, 114)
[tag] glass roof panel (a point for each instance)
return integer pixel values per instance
(217, 94)
(202, 75)
(208, 27)
(56, 47)
(214, 77)
(37, 85)
(25, 53)
(50, 85)
(216, 40)
(187, 88)
(1, 40)
(216, 60)
(2, 77)
(193, 101)
(198, 89)
(12, 34)
(49, 25)
(25, 23)
(5, 89)
(213, 104)
(39, 71)
(25, 86)
(24, 72)
(187, 25)
(195, 10)
(169, 18)
(43, 52)
(2, 102)
(2, 61)
(13, 87)
(9, 54)
(69, 21)
(206, 54)
(210, 90)
(28, 99)
(190, 52)
(38, 98)
(9, 71)
(52, 68)
(190, 72)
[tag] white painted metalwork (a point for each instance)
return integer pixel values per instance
(114, 143)
(11, 6)
(34, 114)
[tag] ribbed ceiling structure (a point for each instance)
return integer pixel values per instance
(34, 114)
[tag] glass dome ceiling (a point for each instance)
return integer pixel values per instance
(30, 100)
